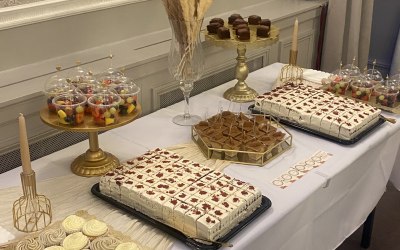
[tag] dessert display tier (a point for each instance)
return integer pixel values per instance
(320, 111)
(95, 161)
(187, 199)
(241, 92)
(243, 139)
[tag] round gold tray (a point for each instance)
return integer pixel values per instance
(95, 161)
(241, 92)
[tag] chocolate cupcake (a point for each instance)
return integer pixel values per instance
(212, 28)
(263, 31)
(243, 34)
(233, 17)
(254, 19)
(223, 33)
(217, 20)
(266, 22)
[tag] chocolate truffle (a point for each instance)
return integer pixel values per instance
(217, 20)
(233, 17)
(263, 31)
(241, 26)
(266, 22)
(243, 34)
(254, 19)
(239, 21)
(223, 33)
(212, 28)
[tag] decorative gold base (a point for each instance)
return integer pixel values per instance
(240, 94)
(94, 163)
(32, 211)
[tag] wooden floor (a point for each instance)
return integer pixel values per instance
(386, 229)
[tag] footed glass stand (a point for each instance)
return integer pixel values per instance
(241, 92)
(95, 161)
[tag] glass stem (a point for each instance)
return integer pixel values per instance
(186, 95)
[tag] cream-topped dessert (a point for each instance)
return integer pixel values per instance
(75, 241)
(72, 224)
(52, 237)
(319, 110)
(94, 228)
(185, 195)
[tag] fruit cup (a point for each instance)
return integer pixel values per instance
(386, 97)
(376, 79)
(70, 108)
(361, 89)
(88, 86)
(338, 83)
(105, 108)
(128, 94)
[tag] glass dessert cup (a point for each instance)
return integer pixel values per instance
(375, 77)
(338, 83)
(129, 95)
(362, 89)
(386, 97)
(54, 86)
(105, 108)
(186, 63)
(70, 108)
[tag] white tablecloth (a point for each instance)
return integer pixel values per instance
(317, 212)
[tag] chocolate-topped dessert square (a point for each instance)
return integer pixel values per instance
(266, 22)
(254, 20)
(212, 28)
(233, 17)
(239, 21)
(243, 34)
(217, 20)
(263, 31)
(223, 33)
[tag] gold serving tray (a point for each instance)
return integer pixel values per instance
(246, 157)
(95, 161)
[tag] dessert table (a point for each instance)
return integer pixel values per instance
(317, 211)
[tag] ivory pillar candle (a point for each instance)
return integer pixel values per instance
(294, 36)
(24, 146)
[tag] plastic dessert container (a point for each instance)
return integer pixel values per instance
(57, 85)
(111, 76)
(105, 108)
(78, 75)
(362, 89)
(70, 108)
(387, 94)
(129, 96)
(88, 86)
(338, 83)
(375, 77)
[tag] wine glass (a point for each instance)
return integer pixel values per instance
(186, 62)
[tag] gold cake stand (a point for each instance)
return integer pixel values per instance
(95, 161)
(241, 92)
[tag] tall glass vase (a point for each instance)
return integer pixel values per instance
(186, 62)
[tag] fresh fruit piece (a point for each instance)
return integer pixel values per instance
(358, 92)
(381, 97)
(129, 99)
(62, 121)
(61, 114)
(113, 110)
(122, 102)
(107, 114)
(69, 111)
(79, 117)
(79, 109)
(110, 121)
(130, 109)
(342, 84)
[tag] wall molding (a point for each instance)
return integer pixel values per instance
(25, 14)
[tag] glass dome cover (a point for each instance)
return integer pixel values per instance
(78, 74)
(111, 76)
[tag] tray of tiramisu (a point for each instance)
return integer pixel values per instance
(201, 207)
(237, 137)
(336, 118)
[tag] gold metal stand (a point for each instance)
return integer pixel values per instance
(95, 161)
(291, 73)
(31, 212)
(241, 92)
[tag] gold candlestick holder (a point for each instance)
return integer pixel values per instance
(31, 212)
(291, 73)
(241, 92)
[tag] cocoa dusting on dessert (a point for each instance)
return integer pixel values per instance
(162, 198)
(223, 194)
(197, 212)
(182, 195)
(110, 174)
(181, 185)
(150, 192)
(150, 181)
(251, 187)
(184, 206)
(194, 200)
(129, 182)
(235, 199)
(118, 183)
(202, 192)
(159, 175)
(329, 118)
(244, 192)
(226, 204)
(130, 162)
(119, 178)
(191, 180)
(174, 202)
(356, 120)
(218, 212)
(200, 184)
(139, 186)
(348, 124)
(206, 206)
(171, 192)
(209, 220)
